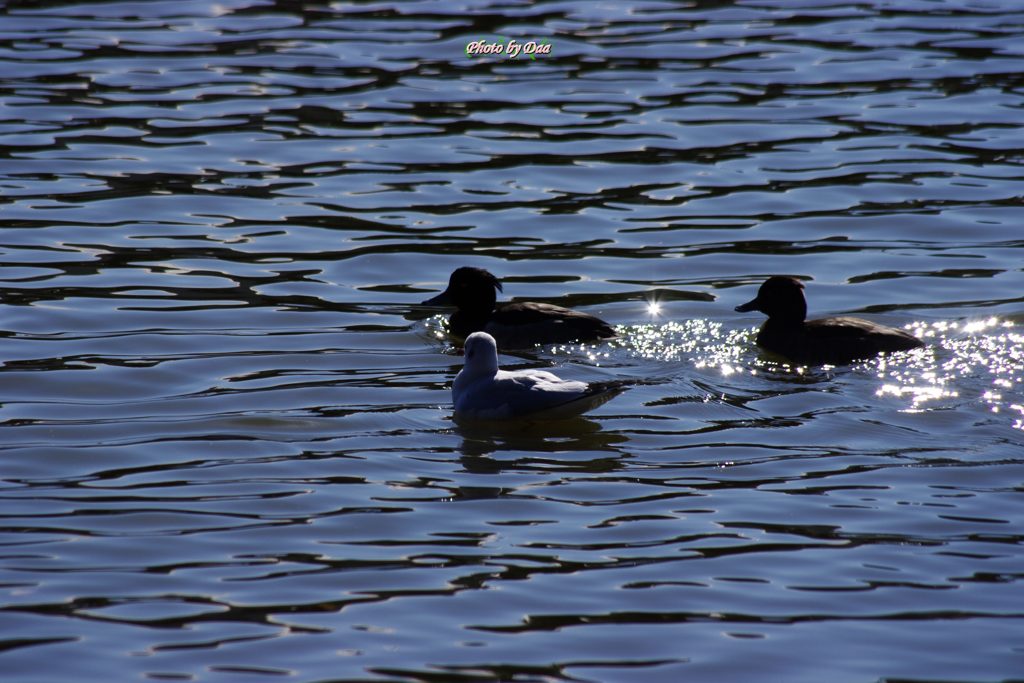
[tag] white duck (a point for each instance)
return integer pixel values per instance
(483, 391)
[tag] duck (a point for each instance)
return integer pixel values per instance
(513, 325)
(483, 391)
(824, 341)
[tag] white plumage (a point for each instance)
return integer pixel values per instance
(483, 391)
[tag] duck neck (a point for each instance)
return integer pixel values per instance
(790, 316)
(476, 301)
(778, 324)
(465, 323)
(475, 371)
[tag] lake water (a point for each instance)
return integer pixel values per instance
(226, 444)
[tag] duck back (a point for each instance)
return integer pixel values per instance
(835, 341)
(525, 324)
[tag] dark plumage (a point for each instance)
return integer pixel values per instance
(516, 325)
(835, 341)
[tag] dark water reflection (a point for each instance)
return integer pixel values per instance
(225, 433)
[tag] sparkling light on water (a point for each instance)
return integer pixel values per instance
(965, 361)
(977, 360)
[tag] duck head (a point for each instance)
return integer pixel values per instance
(780, 298)
(469, 289)
(481, 354)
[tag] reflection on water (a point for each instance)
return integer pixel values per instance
(971, 354)
(225, 425)
(976, 360)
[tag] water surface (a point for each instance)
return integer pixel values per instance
(225, 426)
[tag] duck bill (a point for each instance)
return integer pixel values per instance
(752, 305)
(442, 299)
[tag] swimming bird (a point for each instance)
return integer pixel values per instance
(835, 341)
(513, 325)
(483, 391)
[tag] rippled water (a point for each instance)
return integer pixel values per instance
(226, 447)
